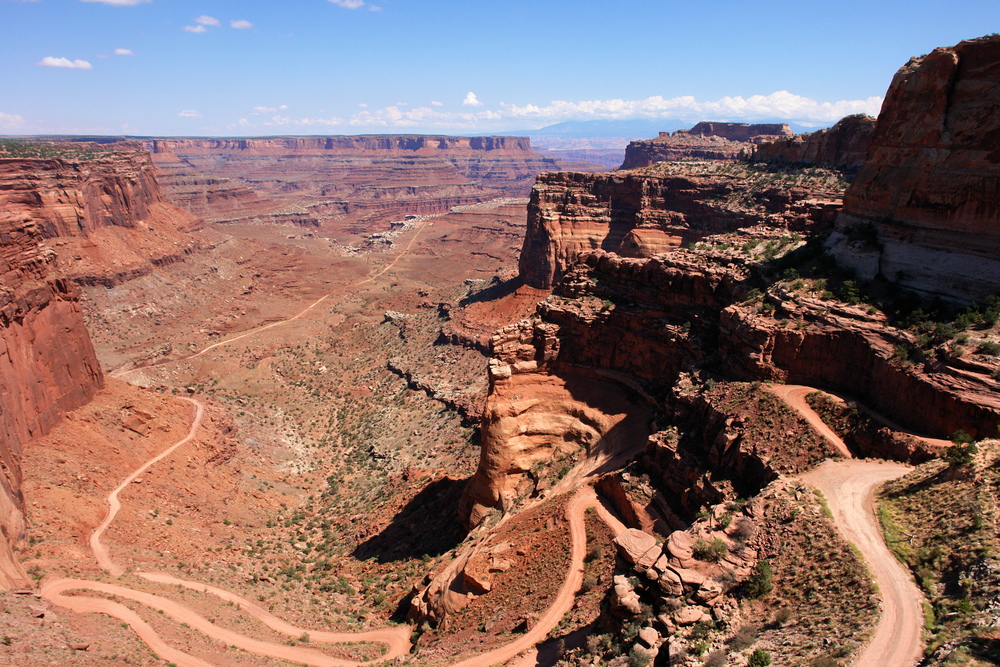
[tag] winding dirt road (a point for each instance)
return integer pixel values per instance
(849, 487)
(583, 498)
(795, 396)
(396, 639)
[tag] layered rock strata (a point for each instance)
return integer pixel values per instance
(640, 214)
(843, 146)
(105, 216)
(369, 178)
(635, 327)
(924, 209)
(47, 363)
(705, 141)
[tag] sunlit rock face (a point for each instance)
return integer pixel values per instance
(924, 209)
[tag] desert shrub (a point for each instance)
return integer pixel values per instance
(716, 659)
(960, 437)
(744, 638)
(759, 658)
(638, 657)
(989, 347)
(961, 455)
(710, 552)
(760, 582)
(824, 661)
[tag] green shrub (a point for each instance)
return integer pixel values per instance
(710, 552)
(760, 582)
(990, 348)
(759, 658)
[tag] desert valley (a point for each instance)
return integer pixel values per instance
(449, 400)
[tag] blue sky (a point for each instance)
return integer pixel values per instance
(253, 67)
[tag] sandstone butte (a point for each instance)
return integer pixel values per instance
(924, 209)
(844, 145)
(706, 140)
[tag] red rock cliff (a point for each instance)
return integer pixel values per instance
(350, 178)
(644, 213)
(708, 141)
(924, 209)
(47, 362)
(843, 146)
(101, 209)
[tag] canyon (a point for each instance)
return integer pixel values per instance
(363, 180)
(571, 424)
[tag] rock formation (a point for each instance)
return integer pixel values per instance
(709, 141)
(315, 180)
(843, 146)
(101, 209)
(47, 362)
(641, 214)
(923, 210)
(87, 215)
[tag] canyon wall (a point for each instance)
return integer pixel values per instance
(89, 215)
(705, 141)
(632, 329)
(843, 146)
(639, 215)
(924, 209)
(100, 208)
(336, 179)
(47, 362)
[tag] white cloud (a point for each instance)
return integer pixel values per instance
(471, 101)
(779, 106)
(50, 61)
(120, 3)
(348, 4)
(374, 8)
(281, 121)
(9, 121)
(362, 106)
(204, 19)
(260, 110)
(240, 24)
(189, 113)
(124, 52)
(198, 29)
(435, 103)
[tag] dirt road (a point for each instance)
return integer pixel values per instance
(795, 396)
(583, 498)
(396, 639)
(849, 487)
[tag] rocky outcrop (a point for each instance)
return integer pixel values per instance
(741, 131)
(843, 146)
(47, 363)
(370, 179)
(704, 141)
(639, 215)
(924, 209)
(103, 212)
(630, 329)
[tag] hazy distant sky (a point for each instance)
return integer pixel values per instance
(245, 67)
